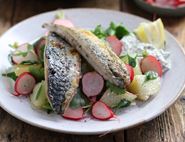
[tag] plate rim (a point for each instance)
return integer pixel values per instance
(102, 131)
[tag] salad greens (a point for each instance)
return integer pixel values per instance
(132, 61)
(79, 100)
(11, 75)
(118, 30)
(115, 89)
(24, 53)
(15, 45)
(151, 75)
(123, 103)
(37, 72)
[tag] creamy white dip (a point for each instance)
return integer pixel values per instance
(131, 45)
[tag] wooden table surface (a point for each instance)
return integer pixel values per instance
(168, 127)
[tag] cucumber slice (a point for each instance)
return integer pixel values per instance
(112, 99)
(36, 70)
(38, 97)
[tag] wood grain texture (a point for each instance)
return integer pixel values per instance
(31, 7)
(6, 11)
(170, 126)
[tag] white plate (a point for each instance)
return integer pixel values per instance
(28, 30)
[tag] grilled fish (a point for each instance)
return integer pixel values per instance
(62, 72)
(96, 52)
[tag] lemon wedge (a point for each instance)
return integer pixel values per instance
(152, 32)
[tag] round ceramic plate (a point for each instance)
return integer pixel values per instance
(30, 29)
(180, 11)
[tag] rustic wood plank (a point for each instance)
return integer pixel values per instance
(169, 127)
(14, 130)
(130, 7)
(31, 8)
(6, 7)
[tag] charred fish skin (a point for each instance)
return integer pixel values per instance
(62, 72)
(96, 52)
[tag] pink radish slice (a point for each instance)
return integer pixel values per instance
(29, 57)
(73, 114)
(101, 111)
(115, 44)
(39, 44)
(63, 22)
(92, 99)
(92, 84)
(24, 84)
(15, 94)
(150, 63)
(131, 71)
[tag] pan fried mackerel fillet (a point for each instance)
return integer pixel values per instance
(96, 52)
(62, 72)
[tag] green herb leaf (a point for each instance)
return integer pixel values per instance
(123, 103)
(151, 75)
(99, 32)
(113, 29)
(121, 32)
(24, 53)
(145, 53)
(28, 62)
(14, 45)
(124, 58)
(37, 72)
(79, 100)
(115, 89)
(132, 61)
(11, 75)
(60, 15)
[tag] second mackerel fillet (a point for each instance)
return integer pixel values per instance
(97, 53)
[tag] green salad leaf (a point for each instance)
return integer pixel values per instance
(121, 32)
(118, 30)
(115, 89)
(123, 103)
(24, 53)
(132, 61)
(29, 62)
(79, 100)
(37, 72)
(151, 75)
(15, 45)
(59, 15)
(11, 75)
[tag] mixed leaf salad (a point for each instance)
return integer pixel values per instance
(142, 51)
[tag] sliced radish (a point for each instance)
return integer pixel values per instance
(63, 22)
(150, 63)
(101, 111)
(15, 94)
(38, 45)
(92, 99)
(131, 71)
(24, 84)
(31, 56)
(115, 44)
(73, 114)
(92, 84)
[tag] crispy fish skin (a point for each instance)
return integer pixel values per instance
(96, 52)
(62, 72)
